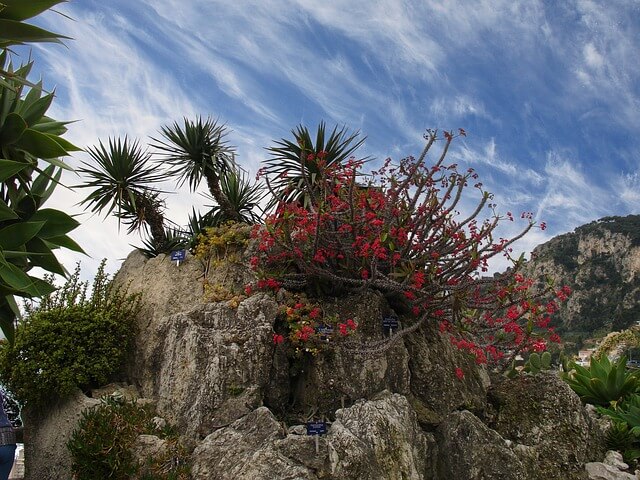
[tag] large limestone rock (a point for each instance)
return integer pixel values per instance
(208, 366)
(435, 388)
(469, 450)
(46, 435)
(546, 417)
(373, 440)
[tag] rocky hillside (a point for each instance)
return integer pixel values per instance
(600, 261)
(242, 404)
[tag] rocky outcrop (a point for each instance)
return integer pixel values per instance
(372, 440)
(339, 376)
(213, 371)
(600, 261)
(435, 388)
(46, 435)
(469, 450)
(209, 366)
(542, 414)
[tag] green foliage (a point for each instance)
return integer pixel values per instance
(101, 446)
(13, 30)
(621, 439)
(121, 176)
(221, 242)
(69, 341)
(534, 364)
(195, 150)
(28, 232)
(173, 239)
(628, 226)
(294, 164)
(603, 383)
(243, 196)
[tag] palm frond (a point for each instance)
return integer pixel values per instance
(296, 165)
(174, 239)
(120, 172)
(195, 150)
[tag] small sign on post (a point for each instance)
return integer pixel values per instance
(178, 256)
(324, 332)
(316, 429)
(389, 324)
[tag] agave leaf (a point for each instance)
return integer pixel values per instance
(600, 367)
(12, 129)
(19, 10)
(17, 33)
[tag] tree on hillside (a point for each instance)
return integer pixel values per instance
(123, 177)
(30, 167)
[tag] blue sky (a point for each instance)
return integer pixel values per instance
(548, 92)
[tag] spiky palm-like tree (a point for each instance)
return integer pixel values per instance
(293, 164)
(122, 177)
(195, 150)
(243, 196)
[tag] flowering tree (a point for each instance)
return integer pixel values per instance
(399, 231)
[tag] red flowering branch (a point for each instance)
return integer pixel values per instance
(400, 233)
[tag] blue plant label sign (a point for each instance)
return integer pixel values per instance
(178, 255)
(324, 332)
(390, 323)
(316, 428)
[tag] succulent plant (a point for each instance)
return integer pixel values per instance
(603, 383)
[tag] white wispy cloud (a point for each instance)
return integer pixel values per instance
(519, 72)
(570, 198)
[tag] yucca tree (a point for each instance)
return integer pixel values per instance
(122, 177)
(243, 197)
(292, 164)
(195, 150)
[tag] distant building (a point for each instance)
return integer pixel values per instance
(584, 357)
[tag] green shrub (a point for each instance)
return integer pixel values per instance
(101, 446)
(69, 341)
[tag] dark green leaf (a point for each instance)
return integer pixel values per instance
(32, 113)
(57, 223)
(40, 255)
(23, 9)
(9, 168)
(6, 213)
(64, 241)
(16, 33)
(40, 145)
(18, 234)
(23, 284)
(12, 129)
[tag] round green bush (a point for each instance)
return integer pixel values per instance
(60, 350)
(69, 341)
